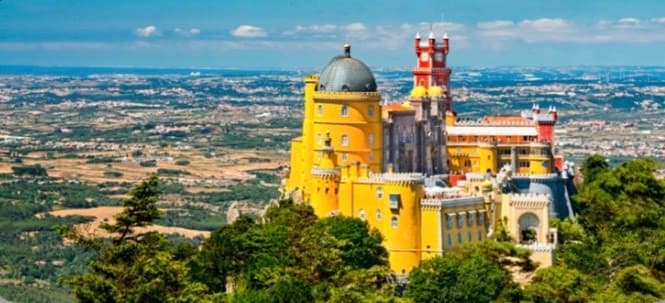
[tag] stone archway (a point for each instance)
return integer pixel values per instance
(529, 224)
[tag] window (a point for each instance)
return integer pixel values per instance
(361, 214)
(344, 156)
(450, 240)
(470, 220)
(345, 110)
(345, 140)
(469, 237)
(378, 214)
(371, 156)
(370, 110)
(379, 193)
(480, 235)
(459, 237)
(451, 221)
(394, 201)
(524, 163)
(481, 218)
(370, 140)
(319, 110)
(393, 222)
(460, 220)
(319, 139)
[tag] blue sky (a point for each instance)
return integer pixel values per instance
(306, 34)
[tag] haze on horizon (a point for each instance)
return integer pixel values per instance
(304, 34)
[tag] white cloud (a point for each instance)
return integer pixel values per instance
(494, 25)
(190, 32)
(658, 20)
(546, 25)
(312, 29)
(356, 27)
(249, 31)
(147, 31)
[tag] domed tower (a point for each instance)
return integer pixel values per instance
(342, 125)
(346, 105)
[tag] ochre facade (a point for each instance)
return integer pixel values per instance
(426, 180)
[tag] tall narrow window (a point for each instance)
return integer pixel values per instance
(345, 111)
(344, 156)
(378, 214)
(459, 237)
(370, 140)
(393, 222)
(361, 214)
(319, 110)
(319, 139)
(450, 240)
(345, 140)
(370, 110)
(379, 193)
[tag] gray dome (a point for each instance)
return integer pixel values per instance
(346, 74)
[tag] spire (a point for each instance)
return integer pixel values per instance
(347, 50)
(445, 35)
(431, 35)
(417, 35)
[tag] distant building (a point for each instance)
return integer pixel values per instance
(425, 180)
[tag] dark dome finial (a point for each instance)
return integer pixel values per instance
(347, 50)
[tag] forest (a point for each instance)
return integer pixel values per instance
(613, 251)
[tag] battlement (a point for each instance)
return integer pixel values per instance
(529, 199)
(322, 172)
(312, 78)
(481, 122)
(404, 178)
(348, 96)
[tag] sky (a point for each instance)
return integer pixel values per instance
(296, 34)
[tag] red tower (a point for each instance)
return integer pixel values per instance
(431, 67)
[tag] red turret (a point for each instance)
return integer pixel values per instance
(431, 69)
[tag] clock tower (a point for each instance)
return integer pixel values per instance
(431, 67)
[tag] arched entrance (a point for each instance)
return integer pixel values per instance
(528, 227)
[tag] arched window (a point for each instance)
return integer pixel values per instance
(344, 156)
(370, 110)
(378, 214)
(370, 140)
(379, 192)
(319, 139)
(345, 110)
(345, 140)
(393, 222)
(319, 110)
(361, 214)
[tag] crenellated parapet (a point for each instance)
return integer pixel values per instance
(347, 96)
(452, 202)
(529, 200)
(325, 173)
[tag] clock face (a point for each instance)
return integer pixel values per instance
(424, 57)
(438, 57)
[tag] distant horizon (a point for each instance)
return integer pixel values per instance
(275, 35)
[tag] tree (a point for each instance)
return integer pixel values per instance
(456, 277)
(135, 267)
(592, 166)
(361, 246)
(561, 284)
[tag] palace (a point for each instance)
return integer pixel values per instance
(426, 180)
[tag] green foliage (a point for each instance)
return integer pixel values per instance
(136, 267)
(614, 251)
(182, 162)
(113, 174)
(290, 256)
(29, 170)
(20, 294)
(148, 163)
(456, 277)
(171, 172)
